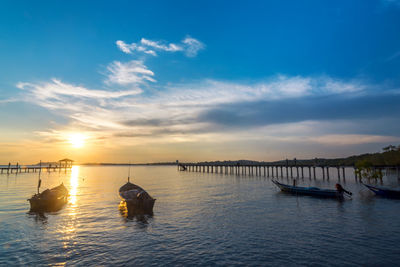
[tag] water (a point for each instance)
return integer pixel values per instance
(199, 219)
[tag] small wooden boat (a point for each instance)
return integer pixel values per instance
(313, 191)
(49, 200)
(384, 192)
(137, 200)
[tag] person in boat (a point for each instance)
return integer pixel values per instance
(340, 189)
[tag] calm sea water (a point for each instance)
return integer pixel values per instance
(199, 219)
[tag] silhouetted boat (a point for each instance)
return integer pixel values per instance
(49, 200)
(137, 200)
(313, 191)
(384, 192)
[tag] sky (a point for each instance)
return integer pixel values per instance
(154, 81)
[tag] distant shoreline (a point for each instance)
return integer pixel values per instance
(387, 158)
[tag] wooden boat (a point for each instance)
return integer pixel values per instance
(137, 200)
(49, 200)
(384, 192)
(313, 191)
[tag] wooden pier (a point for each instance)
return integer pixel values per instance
(289, 170)
(61, 165)
(27, 169)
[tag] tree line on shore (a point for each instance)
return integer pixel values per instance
(390, 156)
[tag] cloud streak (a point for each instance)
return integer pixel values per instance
(55, 89)
(212, 109)
(129, 73)
(189, 46)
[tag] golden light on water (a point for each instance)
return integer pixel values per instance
(74, 182)
(69, 228)
(77, 140)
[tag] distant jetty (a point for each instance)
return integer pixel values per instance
(389, 159)
(289, 170)
(63, 164)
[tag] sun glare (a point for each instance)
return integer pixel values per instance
(77, 140)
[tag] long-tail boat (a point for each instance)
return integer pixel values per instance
(137, 200)
(384, 192)
(313, 191)
(49, 200)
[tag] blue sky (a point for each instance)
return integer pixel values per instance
(153, 81)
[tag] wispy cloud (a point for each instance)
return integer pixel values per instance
(189, 46)
(55, 89)
(8, 100)
(192, 46)
(130, 48)
(205, 109)
(160, 46)
(132, 72)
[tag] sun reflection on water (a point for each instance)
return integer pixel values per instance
(74, 182)
(70, 224)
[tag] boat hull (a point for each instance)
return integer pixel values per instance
(383, 192)
(137, 200)
(140, 207)
(40, 205)
(309, 191)
(50, 200)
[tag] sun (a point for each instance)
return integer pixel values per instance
(77, 140)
